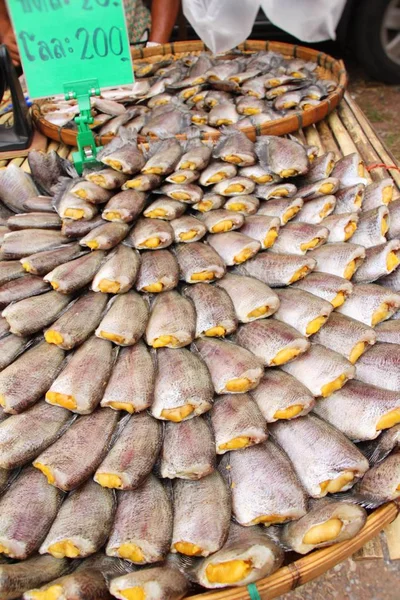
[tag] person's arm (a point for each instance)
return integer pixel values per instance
(163, 17)
(7, 36)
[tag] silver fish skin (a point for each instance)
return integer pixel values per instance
(245, 545)
(10, 270)
(123, 154)
(131, 385)
(183, 176)
(183, 387)
(233, 369)
(23, 437)
(379, 261)
(11, 346)
(16, 187)
(196, 158)
(251, 474)
(142, 528)
(19, 244)
(189, 193)
(262, 228)
(16, 578)
(158, 583)
(165, 208)
(115, 326)
(24, 287)
(210, 201)
(44, 262)
(332, 288)
(380, 484)
(133, 454)
(359, 410)
(284, 157)
(29, 506)
(317, 210)
(348, 517)
(325, 187)
(237, 423)
(324, 459)
(341, 259)
(223, 114)
(119, 272)
(106, 236)
(378, 449)
(298, 238)
(283, 208)
(75, 456)
(215, 313)
(378, 193)
(235, 147)
(188, 229)
(164, 158)
(371, 304)
(82, 584)
(389, 331)
(246, 204)
(172, 321)
(158, 272)
(143, 182)
(372, 227)
(281, 396)
(90, 191)
(277, 270)
(24, 381)
(109, 179)
(341, 227)
(350, 199)
(234, 247)
(75, 274)
(329, 371)
(276, 191)
(199, 262)
(150, 234)
(273, 342)
(234, 186)
(381, 366)
(82, 524)
(34, 220)
(320, 168)
(349, 170)
(221, 220)
(188, 450)
(78, 322)
(202, 511)
(80, 385)
(349, 337)
(304, 311)
(124, 207)
(75, 230)
(216, 172)
(392, 281)
(394, 220)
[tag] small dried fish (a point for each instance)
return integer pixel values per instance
(371, 304)
(165, 582)
(389, 331)
(350, 199)
(341, 227)
(372, 227)
(21, 288)
(122, 154)
(11, 346)
(77, 229)
(393, 221)
(158, 272)
(380, 366)
(216, 172)
(10, 270)
(246, 204)
(304, 311)
(378, 193)
(234, 247)
(109, 179)
(199, 262)
(172, 321)
(150, 234)
(298, 238)
(44, 262)
(379, 261)
(215, 314)
(16, 578)
(284, 157)
(116, 327)
(75, 274)
(33, 314)
(18, 244)
(89, 191)
(188, 229)
(235, 147)
(164, 158)
(34, 220)
(119, 272)
(350, 170)
(165, 208)
(332, 288)
(315, 211)
(277, 270)
(124, 207)
(105, 236)
(341, 259)
(16, 187)
(221, 220)
(143, 182)
(284, 209)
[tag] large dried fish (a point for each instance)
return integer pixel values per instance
(118, 274)
(379, 261)
(371, 304)
(277, 270)
(158, 272)
(215, 313)
(150, 234)
(381, 366)
(21, 288)
(341, 259)
(16, 187)
(198, 262)
(332, 288)
(124, 207)
(16, 578)
(75, 274)
(18, 244)
(116, 327)
(44, 262)
(304, 311)
(284, 157)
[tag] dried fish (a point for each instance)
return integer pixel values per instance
(124, 207)
(119, 272)
(277, 270)
(371, 304)
(282, 208)
(116, 327)
(75, 274)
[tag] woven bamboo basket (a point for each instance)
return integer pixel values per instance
(328, 68)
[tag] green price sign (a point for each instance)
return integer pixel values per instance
(61, 41)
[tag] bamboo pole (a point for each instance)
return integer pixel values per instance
(327, 139)
(342, 137)
(313, 139)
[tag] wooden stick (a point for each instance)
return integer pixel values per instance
(392, 532)
(311, 566)
(63, 150)
(3, 163)
(385, 155)
(313, 138)
(17, 161)
(328, 140)
(25, 166)
(53, 146)
(342, 137)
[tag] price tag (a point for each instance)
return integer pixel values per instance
(71, 40)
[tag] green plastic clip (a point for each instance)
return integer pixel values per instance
(253, 592)
(82, 91)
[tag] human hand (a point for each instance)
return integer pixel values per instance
(7, 38)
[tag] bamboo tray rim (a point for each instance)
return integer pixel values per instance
(310, 566)
(287, 124)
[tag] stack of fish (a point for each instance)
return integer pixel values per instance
(171, 95)
(193, 341)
